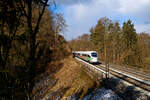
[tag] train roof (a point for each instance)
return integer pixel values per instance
(84, 51)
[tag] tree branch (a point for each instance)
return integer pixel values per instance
(40, 17)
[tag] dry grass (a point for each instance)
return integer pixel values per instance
(72, 76)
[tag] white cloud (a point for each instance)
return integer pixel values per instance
(143, 28)
(80, 16)
(133, 6)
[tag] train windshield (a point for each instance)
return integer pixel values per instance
(94, 54)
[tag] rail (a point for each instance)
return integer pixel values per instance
(130, 76)
(116, 71)
(91, 65)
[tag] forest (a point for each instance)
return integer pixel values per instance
(29, 41)
(116, 44)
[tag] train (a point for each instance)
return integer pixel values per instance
(89, 56)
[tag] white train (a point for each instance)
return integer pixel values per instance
(90, 56)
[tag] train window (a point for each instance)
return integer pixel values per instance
(94, 54)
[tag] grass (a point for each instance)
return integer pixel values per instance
(72, 77)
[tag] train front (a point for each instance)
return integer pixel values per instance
(94, 57)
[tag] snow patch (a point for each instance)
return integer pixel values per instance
(102, 94)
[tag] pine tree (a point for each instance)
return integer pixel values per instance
(129, 35)
(129, 42)
(117, 42)
(97, 36)
(114, 41)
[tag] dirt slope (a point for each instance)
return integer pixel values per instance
(68, 81)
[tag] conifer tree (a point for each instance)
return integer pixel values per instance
(129, 35)
(97, 36)
(130, 42)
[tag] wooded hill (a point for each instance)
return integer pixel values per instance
(29, 41)
(116, 44)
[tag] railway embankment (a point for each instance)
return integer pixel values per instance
(124, 89)
(67, 82)
(73, 80)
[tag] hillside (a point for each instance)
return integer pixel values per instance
(68, 81)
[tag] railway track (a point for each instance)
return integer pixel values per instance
(134, 73)
(134, 77)
(131, 71)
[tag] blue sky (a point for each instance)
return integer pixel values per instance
(81, 15)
